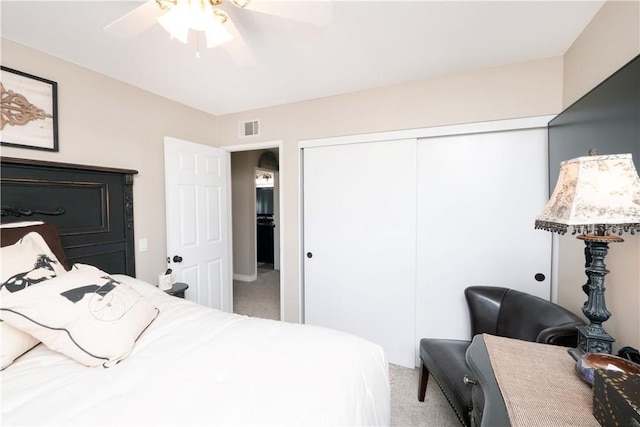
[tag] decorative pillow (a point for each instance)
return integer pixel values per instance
(25, 263)
(84, 314)
(10, 233)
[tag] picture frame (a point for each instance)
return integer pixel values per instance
(29, 111)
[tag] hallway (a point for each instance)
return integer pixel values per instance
(260, 298)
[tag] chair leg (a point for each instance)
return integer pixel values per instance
(422, 388)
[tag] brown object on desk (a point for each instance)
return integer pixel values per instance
(616, 398)
(539, 384)
(589, 363)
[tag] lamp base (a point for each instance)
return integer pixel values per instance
(592, 339)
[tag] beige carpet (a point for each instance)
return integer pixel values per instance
(406, 410)
(262, 299)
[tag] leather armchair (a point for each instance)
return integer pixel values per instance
(496, 311)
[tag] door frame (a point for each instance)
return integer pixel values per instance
(446, 130)
(252, 147)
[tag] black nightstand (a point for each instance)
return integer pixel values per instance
(177, 290)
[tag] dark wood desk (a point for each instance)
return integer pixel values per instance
(494, 412)
(522, 383)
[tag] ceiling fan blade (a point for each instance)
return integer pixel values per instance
(314, 12)
(136, 21)
(238, 49)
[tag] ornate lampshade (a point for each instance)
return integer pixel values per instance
(595, 195)
(599, 196)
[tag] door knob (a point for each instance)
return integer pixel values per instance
(309, 255)
(177, 258)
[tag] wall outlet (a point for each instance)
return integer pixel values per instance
(142, 245)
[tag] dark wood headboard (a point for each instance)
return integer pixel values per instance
(91, 206)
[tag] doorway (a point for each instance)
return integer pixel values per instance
(255, 201)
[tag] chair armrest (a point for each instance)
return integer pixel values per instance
(484, 307)
(565, 335)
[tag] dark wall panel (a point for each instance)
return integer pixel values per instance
(606, 119)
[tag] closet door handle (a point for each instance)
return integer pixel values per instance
(177, 258)
(309, 255)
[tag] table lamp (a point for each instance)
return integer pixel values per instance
(599, 197)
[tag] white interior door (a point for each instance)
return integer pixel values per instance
(359, 242)
(197, 220)
(478, 196)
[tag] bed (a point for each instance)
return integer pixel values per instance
(176, 362)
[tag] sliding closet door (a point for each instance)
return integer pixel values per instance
(478, 196)
(359, 242)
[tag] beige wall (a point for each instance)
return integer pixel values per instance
(610, 41)
(243, 165)
(519, 90)
(105, 122)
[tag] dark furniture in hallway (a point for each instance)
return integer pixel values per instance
(265, 228)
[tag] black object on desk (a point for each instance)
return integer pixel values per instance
(616, 397)
(177, 290)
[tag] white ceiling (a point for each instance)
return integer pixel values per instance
(366, 44)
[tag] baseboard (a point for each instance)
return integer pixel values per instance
(245, 277)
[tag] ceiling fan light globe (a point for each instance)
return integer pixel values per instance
(176, 24)
(199, 14)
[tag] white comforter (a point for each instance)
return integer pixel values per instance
(197, 366)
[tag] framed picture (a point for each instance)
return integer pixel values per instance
(29, 111)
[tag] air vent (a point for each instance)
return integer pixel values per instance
(250, 128)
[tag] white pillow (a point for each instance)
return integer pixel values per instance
(25, 263)
(84, 314)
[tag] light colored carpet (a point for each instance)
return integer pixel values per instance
(262, 299)
(406, 410)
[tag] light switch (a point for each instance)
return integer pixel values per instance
(142, 245)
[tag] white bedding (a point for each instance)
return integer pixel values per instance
(197, 366)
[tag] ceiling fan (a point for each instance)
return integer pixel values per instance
(179, 17)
